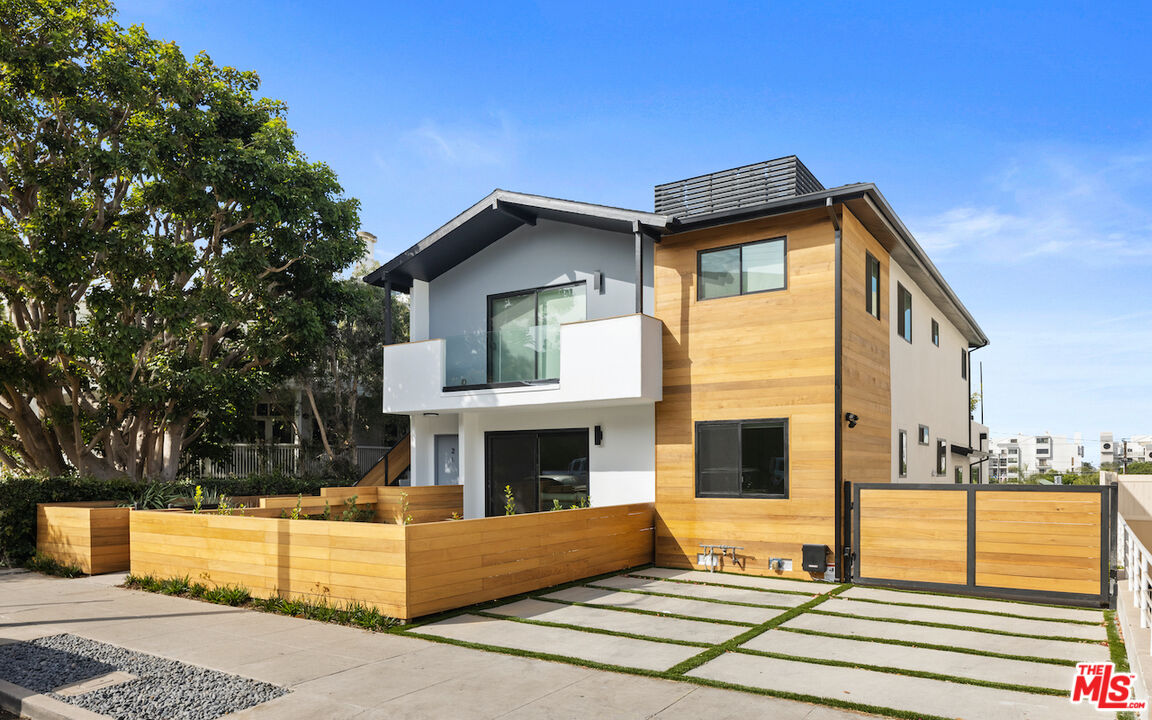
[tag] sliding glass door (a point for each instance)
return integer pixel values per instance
(524, 331)
(536, 470)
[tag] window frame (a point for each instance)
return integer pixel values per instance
(963, 364)
(941, 457)
(740, 495)
(739, 246)
(935, 332)
(923, 436)
(870, 264)
(903, 325)
(902, 454)
(535, 292)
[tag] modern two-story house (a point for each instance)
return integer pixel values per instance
(735, 356)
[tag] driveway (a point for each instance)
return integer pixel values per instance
(651, 643)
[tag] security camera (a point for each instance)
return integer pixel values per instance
(852, 419)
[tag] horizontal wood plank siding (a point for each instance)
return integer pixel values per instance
(1038, 541)
(458, 563)
(405, 570)
(914, 535)
(92, 536)
(764, 355)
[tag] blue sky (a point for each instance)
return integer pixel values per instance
(1015, 141)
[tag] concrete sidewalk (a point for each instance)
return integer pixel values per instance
(339, 672)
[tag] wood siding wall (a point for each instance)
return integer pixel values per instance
(765, 355)
(93, 536)
(426, 503)
(865, 374)
(405, 570)
(1026, 538)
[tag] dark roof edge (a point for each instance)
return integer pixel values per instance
(839, 195)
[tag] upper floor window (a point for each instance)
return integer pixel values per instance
(903, 312)
(524, 331)
(923, 437)
(872, 285)
(963, 363)
(742, 269)
(941, 457)
(935, 333)
(903, 453)
(742, 458)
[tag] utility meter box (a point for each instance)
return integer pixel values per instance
(816, 558)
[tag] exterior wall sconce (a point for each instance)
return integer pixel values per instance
(598, 435)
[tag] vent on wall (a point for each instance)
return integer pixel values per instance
(736, 188)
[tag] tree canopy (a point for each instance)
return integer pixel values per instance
(166, 252)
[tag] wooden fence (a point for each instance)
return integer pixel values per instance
(92, 536)
(421, 503)
(1018, 541)
(405, 570)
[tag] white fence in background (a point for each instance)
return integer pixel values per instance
(1137, 562)
(261, 458)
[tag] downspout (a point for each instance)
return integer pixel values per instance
(841, 553)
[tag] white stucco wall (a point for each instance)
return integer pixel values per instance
(548, 253)
(927, 387)
(621, 470)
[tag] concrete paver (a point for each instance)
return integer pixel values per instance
(709, 592)
(971, 639)
(935, 697)
(608, 649)
(970, 603)
(657, 603)
(635, 623)
(942, 662)
(751, 581)
(1045, 628)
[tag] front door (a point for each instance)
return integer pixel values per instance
(536, 470)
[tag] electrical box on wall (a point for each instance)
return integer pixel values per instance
(816, 559)
(707, 560)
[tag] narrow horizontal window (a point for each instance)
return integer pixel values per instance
(743, 269)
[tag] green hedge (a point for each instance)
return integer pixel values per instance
(20, 495)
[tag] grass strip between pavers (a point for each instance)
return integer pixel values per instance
(657, 593)
(960, 679)
(668, 675)
(995, 613)
(908, 591)
(933, 646)
(1119, 654)
(640, 611)
(593, 630)
(717, 650)
(947, 626)
(631, 573)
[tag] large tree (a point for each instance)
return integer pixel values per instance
(166, 252)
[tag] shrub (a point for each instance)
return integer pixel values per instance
(20, 495)
(44, 564)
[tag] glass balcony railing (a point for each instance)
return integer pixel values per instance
(508, 356)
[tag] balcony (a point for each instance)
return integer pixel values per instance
(612, 361)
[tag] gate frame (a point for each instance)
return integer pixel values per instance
(1108, 524)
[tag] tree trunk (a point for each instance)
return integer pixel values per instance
(319, 422)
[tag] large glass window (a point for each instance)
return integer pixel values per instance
(524, 331)
(742, 458)
(904, 312)
(872, 285)
(741, 269)
(538, 469)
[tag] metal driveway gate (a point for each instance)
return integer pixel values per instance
(1044, 543)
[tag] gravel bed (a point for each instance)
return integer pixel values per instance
(162, 689)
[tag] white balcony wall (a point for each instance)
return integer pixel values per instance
(548, 253)
(611, 361)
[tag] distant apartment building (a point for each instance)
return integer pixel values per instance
(1022, 455)
(1137, 448)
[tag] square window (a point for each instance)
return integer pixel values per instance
(742, 458)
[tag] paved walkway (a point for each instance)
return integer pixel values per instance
(337, 672)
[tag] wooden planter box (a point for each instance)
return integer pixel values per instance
(93, 536)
